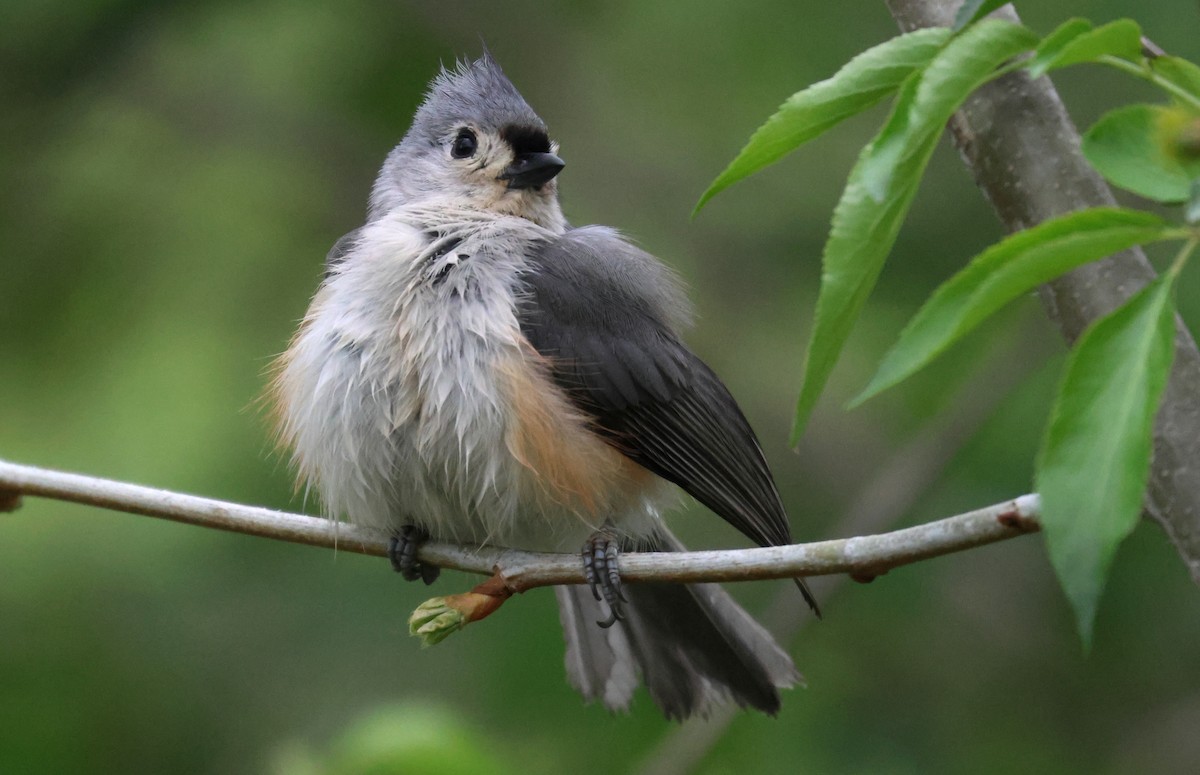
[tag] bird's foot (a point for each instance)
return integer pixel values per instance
(402, 551)
(600, 569)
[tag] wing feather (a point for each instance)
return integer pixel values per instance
(590, 307)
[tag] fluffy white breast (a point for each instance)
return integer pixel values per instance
(410, 396)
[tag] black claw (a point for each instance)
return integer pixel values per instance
(402, 551)
(610, 621)
(600, 570)
(393, 553)
(591, 558)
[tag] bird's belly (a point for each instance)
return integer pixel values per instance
(456, 427)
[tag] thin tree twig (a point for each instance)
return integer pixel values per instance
(863, 557)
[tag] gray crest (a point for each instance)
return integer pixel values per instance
(475, 92)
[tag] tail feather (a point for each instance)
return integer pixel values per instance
(693, 645)
(600, 662)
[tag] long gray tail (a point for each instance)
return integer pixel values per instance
(692, 645)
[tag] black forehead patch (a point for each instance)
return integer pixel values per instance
(523, 138)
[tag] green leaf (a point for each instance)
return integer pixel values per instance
(1053, 44)
(1004, 272)
(974, 10)
(1124, 146)
(1095, 458)
(1122, 38)
(1178, 72)
(1191, 212)
(962, 66)
(861, 83)
(882, 185)
(861, 236)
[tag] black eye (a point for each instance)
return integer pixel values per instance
(464, 145)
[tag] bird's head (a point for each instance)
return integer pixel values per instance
(476, 143)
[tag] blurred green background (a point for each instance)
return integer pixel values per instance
(172, 176)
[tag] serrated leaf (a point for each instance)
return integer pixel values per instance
(1095, 458)
(1122, 38)
(962, 66)
(861, 236)
(1124, 147)
(1005, 272)
(862, 82)
(974, 10)
(882, 185)
(1178, 72)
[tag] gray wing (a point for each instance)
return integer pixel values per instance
(590, 308)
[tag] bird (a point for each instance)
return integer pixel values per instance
(475, 369)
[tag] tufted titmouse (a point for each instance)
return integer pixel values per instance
(475, 369)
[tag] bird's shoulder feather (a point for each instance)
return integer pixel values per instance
(606, 315)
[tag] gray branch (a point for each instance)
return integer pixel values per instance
(1023, 150)
(863, 557)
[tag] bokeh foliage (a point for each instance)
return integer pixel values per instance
(172, 177)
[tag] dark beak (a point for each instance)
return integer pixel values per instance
(531, 170)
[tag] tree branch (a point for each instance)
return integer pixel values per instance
(1023, 150)
(862, 557)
